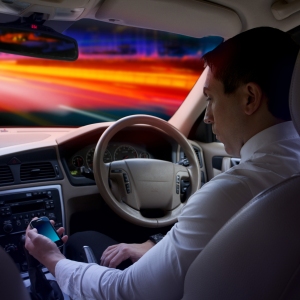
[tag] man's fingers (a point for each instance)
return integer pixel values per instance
(114, 255)
(29, 227)
(31, 239)
(108, 256)
(115, 261)
(109, 249)
(105, 258)
(65, 238)
(32, 233)
(60, 231)
(106, 253)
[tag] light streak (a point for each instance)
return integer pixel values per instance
(85, 113)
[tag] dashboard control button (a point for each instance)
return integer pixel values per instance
(127, 186)
(10, 248)
(8, 228)
(125, 177)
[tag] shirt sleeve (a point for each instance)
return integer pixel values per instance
(160, 273)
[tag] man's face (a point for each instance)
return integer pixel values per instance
(225, 113)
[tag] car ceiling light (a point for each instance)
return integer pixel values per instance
(67, 14)
(13, 7)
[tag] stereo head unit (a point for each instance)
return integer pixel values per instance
(18, 207)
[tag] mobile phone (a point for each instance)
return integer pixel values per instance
(44, 227)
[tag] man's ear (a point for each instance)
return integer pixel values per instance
(254, 98)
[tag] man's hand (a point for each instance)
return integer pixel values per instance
(43, 249)
(115, 254)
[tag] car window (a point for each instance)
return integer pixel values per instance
(120, 71)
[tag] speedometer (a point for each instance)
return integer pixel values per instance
(125, 152)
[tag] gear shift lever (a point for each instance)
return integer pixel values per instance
(41, 288)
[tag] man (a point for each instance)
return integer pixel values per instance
(247, 90)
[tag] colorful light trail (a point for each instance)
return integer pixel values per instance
(30, 87)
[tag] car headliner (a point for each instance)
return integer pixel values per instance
(189, 17)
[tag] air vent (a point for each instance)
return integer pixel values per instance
(198, 154)
(6, 175)
(36, 171)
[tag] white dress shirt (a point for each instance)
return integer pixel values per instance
(266, 159)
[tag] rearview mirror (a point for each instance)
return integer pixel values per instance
(34, 40)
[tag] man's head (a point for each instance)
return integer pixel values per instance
(254, 69)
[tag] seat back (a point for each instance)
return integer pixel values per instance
(256, 255)
(11, 283)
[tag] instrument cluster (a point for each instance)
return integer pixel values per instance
(114, 151)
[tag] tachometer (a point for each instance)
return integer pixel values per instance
(125, 152)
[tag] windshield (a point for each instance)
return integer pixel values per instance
(120, 71)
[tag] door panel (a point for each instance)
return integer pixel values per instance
(216, 159)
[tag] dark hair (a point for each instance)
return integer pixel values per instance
(263, 55)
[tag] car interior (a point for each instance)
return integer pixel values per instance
(130, 176)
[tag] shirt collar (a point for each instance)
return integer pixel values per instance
(282, 131)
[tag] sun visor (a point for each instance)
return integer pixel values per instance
(187, 17)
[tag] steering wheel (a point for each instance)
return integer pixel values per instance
(133, 185)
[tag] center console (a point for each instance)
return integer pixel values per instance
(18, 207)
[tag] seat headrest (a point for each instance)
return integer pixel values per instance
(294, 98)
